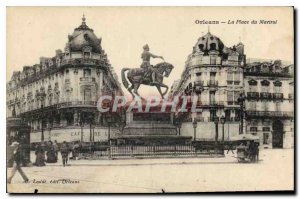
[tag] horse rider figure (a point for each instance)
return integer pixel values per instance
(146, 55)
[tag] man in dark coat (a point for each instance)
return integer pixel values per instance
(64, 150)
(17, 159)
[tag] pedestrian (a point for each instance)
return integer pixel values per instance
(51, 157)
(257, 151)
(55, 147)
(17, 160)
(64, 150)
(230, 147)
(75, 151)
(40, 155)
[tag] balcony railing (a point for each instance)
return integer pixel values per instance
(232, 103)
(199, 83)
(61, 105)
(81, 61)
(252, 95)
(291, 96)
(212, 83)
(87, 79)
(77, 103)
(278, 96)
(267, 74)
(265, 95)
(210, 103)
(285, 114)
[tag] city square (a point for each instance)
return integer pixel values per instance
(216, 116)
(161, 175)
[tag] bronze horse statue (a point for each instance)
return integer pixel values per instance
(138, 76)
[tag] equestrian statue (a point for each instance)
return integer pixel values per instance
(147, 74)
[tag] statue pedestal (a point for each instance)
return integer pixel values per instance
(153, 128)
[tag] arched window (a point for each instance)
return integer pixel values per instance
(201, 47)
(86, 72)
(50, 99)
(87, 94)
(278, 106)
(68, 95)
(213, 46)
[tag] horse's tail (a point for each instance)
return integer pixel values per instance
(124, 80)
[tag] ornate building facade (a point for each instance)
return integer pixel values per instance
(269, 89)
(58, 97)
(213, 73)
(218, 75)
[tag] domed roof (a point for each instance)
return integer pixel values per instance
(82, 37)
(208, 43)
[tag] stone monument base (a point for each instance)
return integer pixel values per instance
(152, 140)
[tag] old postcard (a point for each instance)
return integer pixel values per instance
(150, 99)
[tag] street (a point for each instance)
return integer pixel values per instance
(275, 171)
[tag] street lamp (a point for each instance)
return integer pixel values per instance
(91, 137)
(109, 120)
(81, 125)
(195, 127)
(222, 120)
(241, 100)
(179, 124)
(216, 120)
(42, 97)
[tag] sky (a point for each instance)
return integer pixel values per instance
(171, 32)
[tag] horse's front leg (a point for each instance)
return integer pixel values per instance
(167, 88)
(163, 85)
(160, 92)
(136, 87)
(130, 91)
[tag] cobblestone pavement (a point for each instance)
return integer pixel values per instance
(274, 171)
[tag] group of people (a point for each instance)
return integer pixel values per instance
(251, 150)
(48, 152)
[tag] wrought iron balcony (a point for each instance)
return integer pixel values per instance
(77, 103)
(210, 103)
(81, 61)
(278, 96)
(267, 74)
(270, 114)
(265, 95)
(36, 109)
(87, 79)
(291, 96)
(212, 83)
(198, 83)
(253, 95)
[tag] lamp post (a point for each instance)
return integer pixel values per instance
(216, 120)
(179, 127)
(195, 127)
(222, 120)
(241, 101)
(109, 120)
(42, 97)
(81, 126)
(91, 138)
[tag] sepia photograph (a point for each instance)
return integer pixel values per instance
(150, 99)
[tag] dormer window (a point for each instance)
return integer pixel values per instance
(87, 50)
(213, 46)
(86, 55)
(277, 83)
(86, 72)
(67, 53)
(252, 82)
(201, 47)
(265, 83)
